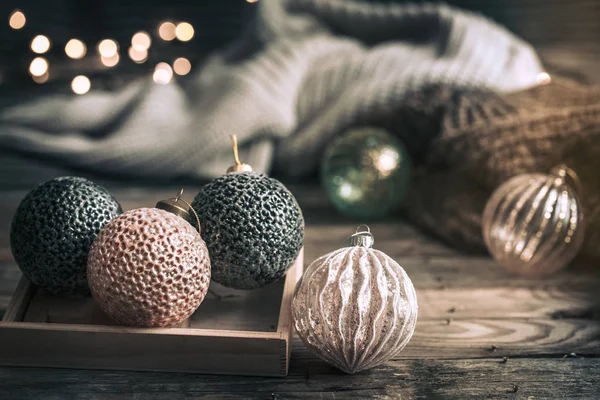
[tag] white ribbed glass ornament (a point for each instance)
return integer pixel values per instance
(355, 307)
(533, 223)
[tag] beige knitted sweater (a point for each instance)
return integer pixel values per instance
(485, 139)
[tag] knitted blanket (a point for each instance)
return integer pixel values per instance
(304, 71)
(484, 138)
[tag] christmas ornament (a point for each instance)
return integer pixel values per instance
(366, 173)
(149, 267)
(252, 224)
(533, 223)
(53, 229)
(355, 307)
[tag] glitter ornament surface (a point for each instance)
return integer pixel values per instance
(366, 173)
(253, 227)
(149, 268)
(533, 223)
(53, 229)
(355, 308)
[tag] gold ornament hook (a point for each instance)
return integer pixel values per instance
(239, 166)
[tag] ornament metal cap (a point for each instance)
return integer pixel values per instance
(238, 166)
(174, 206)
(362, 238)
(569, 176)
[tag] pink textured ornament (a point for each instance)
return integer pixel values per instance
(355, 307)
(149, 267)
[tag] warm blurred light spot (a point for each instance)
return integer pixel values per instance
(138, 56)
(40, 44)
(41, 79)
(38, 67)
(108, 48)
(162, 73)
(251, 1)
(17, 20)
(184, 32)
(544, 78)
(110, 61)
(75, 49)
(81, 84)
(166, 31)
(141, 41)
(182, 66)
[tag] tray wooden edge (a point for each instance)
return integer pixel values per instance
(25, 291)
(19, 301)
(285, 324)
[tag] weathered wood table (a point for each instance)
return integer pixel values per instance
(480, 334)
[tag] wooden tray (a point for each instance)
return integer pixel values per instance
(233, 332)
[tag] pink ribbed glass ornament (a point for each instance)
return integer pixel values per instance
(149, 268)
(355, 307)
(533, 223)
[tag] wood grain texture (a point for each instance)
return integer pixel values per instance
(490, 378)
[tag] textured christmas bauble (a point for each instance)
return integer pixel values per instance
(366, 173)
(253, 227)
(355, 307)
(533, 223)
(53, 229)
(149, 268)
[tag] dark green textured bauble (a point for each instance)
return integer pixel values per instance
(53, 229)
(253, 228)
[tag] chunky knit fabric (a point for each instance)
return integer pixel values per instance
(306, 70)
(486, 138)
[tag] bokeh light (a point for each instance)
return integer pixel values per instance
(184, 32)
(40, 44)
(251, 1)
(166, 31)
(138, 56)
(17, 20)
(38, 67)
(141, 41)
(182, 66)
(108, 48)
(81, 84)
(75, 49)
(110, 61)
(163, 73)
(41, 79)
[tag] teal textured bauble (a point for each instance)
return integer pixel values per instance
(366, 173)
(53, 229)
(253, 227)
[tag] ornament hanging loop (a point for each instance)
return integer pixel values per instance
(178, 197)
(172, 205)
(570, 177)
(238, 166)
(362, 238)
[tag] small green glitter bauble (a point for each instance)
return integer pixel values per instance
(366, 173)
(253, 228)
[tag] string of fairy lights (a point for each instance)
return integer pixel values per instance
(108, 51)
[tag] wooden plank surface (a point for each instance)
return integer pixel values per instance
(471, 316)
(490, 378)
